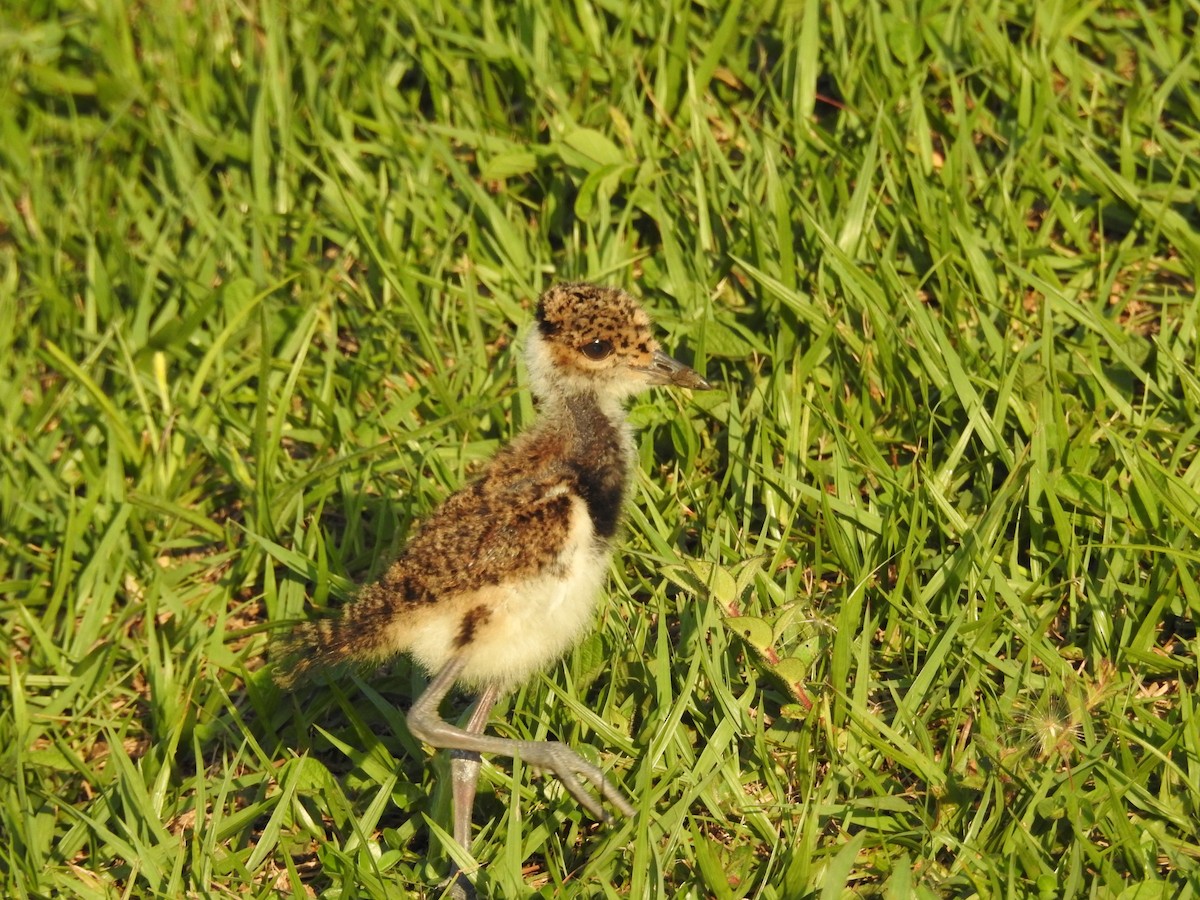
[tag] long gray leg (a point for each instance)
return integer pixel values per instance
(426, 724)
(464, 774)
(464, 768)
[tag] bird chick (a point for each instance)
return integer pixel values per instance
(503, 578)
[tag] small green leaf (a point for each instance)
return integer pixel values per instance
(754, 631)
(508, 165)
(1089, 494)
(596, 146)
(791, 670)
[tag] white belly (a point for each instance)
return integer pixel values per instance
(530, 624)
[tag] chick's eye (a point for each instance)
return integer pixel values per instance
(597, 350)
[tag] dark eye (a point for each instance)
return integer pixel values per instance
(597, 350)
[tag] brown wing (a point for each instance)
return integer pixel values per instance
(491, 531)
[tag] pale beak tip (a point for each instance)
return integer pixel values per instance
(666, 370)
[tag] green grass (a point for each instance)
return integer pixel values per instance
(907, 608)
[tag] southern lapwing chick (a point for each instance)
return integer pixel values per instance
(504, 577)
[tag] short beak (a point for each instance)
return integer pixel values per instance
(665, 370)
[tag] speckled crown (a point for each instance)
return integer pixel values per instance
(576, 314)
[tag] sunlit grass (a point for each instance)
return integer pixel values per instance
(907, 607)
